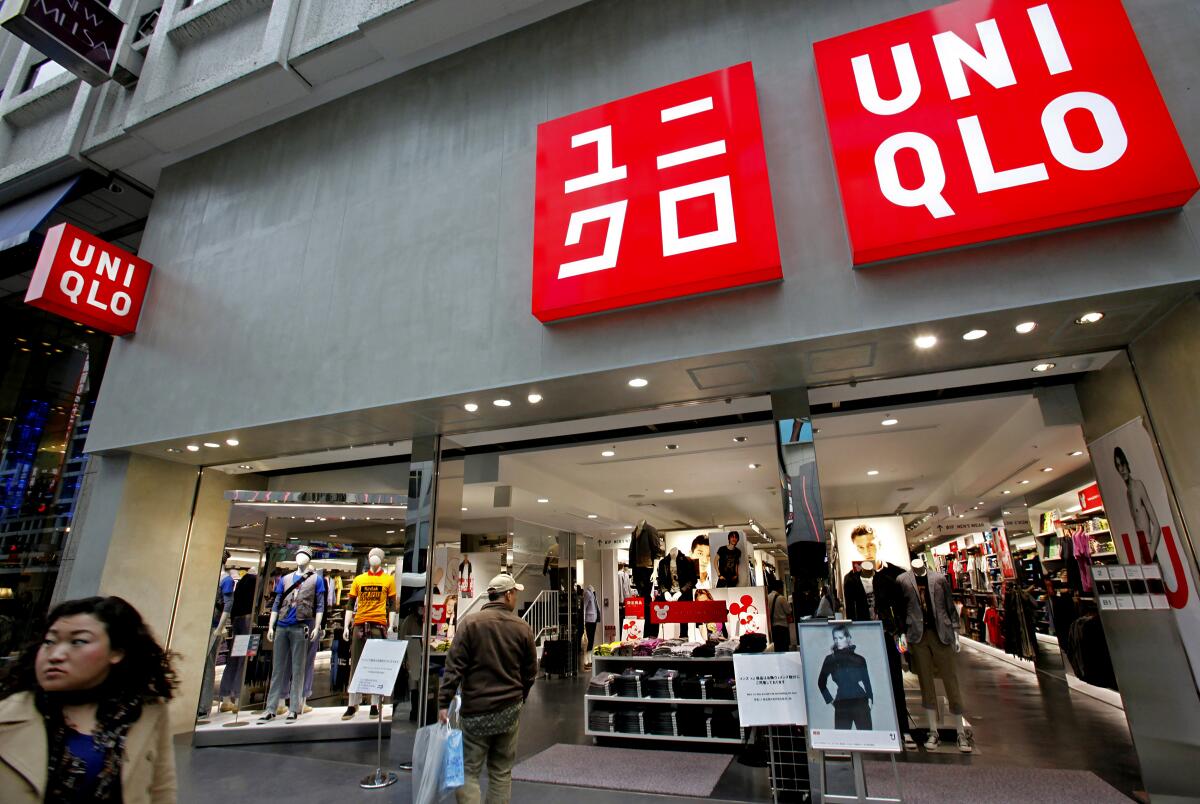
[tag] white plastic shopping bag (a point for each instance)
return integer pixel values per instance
(429, 785)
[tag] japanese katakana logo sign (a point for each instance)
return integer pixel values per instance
(657, 196)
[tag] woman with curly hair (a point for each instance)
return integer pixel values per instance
(83, 715)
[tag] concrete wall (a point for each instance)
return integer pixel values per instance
(398, 220)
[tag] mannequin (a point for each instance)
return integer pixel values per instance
(676, 581)
(466, 584)
(295, 622)
(873, 593)
(221, 607)
(932, 634)
(645, 547)
(624, 589)
(241, 615)
(591, 616)
(374, 596)
(550, 566)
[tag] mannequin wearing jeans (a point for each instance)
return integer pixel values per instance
(301, 598)
(224, 603)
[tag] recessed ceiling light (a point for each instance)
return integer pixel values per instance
(534, 398)
(245, 466)
(211, 444)
(1006, 513)
(310, 520)
(755, 465)
(1041, 367)
(872, 472)
(888, 422)
(464, 509)
(1047, 468)
(925, 341)
(174, 449)
(672, 446)
(591, 516)
(962, 516)
(543, 499)
(1089, 318)
(470, 407)
(739, 439)
(974, 334)
(608, 453)
(233, 442)
(629, 527)
(1023, 483)
(1026, 327)
(1075, 454)
(389, 532)
(638, 382)
(1006, 491)
(501, 403)
(193, 448)
(668, 491)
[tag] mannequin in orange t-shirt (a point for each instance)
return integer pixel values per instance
(372, 616)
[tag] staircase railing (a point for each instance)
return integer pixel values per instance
(542, 614)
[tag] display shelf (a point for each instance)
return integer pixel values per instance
(662, 658)
(1104, 554)
(624, 736)
(704, 701)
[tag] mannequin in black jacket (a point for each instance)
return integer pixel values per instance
(685, 575)
(887, 605)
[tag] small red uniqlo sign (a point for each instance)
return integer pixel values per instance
(85, 279)
(986, 119)
(653, 197)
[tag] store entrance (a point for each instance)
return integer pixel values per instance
(991, 500)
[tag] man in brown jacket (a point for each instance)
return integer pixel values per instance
(494, 661)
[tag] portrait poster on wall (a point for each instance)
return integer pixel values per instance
(696, 545)
(848, 686)
(880, 538)
(730, 556)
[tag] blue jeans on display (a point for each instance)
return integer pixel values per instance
(291, 650)
(209, 680)
(308, 670)
(231, 678)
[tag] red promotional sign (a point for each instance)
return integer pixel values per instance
(985, 119)
(688, 611)
(1089, 498)
(634, 607)
(82, 278)
(657, 196)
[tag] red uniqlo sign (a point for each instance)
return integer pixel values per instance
(986, 119)
(653, 197)
(1089, 498)
(85, 279)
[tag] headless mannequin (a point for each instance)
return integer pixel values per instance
(920, 570)
(303, 559)
(288, 658)
(375, 561)
(643, 563)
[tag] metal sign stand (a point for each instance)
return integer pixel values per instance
(251, 651)
(860, 783)
(380, 778)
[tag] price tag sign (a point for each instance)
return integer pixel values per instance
(377, 668)
(241, 645)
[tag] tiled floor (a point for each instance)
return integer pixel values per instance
(1021, 719)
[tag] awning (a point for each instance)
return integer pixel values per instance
(20, 219)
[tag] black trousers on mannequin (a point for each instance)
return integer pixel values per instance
(643, 582)
(893, 655)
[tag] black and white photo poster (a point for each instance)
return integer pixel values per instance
(848, 687)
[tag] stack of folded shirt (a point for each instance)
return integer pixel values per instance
(723, 691)
(602, 720)
(707, 650)
(684, 649)
(662, 684)
(724, 723)
(629, 684)
(602, 684)
(694, 687)
(630, 721)
(646, 647)
(607, 648)
(662, 720)
(692, 721)
(752, 643)
(625, 649)
(728, 647)
(666, 647)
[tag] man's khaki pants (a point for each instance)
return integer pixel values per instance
(930, 655)
(499, 751)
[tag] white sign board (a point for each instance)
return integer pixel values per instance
(377, 668)
(848, 687)
(241, 645)
(770, 689)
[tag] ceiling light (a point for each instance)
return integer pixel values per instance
(889, 422)
(174, 449)
(925, 341)
(981, 502)
(464, 509)
(501, 403)
(591, 516)
(755, 465)
(534, 398)
(211, 444)
(310, 520)
(1089, 318)
(1047, 468)
(668, 491)
(233, 442)
(245, 466)
(543, 499)
(1023, 483)
(389, 532)
(739, 439)
(974, 334)
(193, 448)
(1075, 454)
(608, 453)
(1006, 491)
(1026, 327)
(470, 407)
(962, 516)
(1042, 367)
(629, 527)
(672, 446)
(1006, 513)
(638, 382)
(872, 472)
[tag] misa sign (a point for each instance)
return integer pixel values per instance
(82, 278)
(81, 35)
(985, 119)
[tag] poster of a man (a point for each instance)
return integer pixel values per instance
(880, 540)
(1145, 521)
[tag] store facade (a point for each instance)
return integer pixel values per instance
(362, 273)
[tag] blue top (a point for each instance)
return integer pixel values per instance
(83, 747)
(282, 585)
(224, 600)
